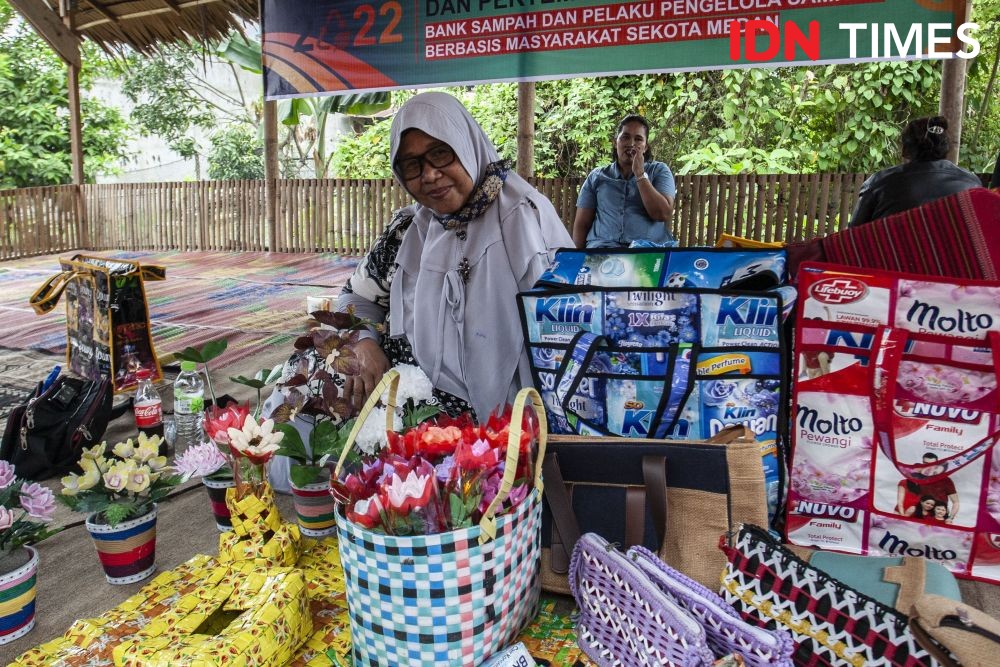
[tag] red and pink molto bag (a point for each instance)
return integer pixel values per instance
(895, 414)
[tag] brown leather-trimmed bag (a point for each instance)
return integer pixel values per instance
(955, 633)
(673, 497)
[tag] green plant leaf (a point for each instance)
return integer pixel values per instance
(303, 475)
(118, 511)
(291, 444)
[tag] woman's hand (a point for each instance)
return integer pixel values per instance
(638, 163)
(373, 364)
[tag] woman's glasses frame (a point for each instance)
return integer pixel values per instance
(439, 157)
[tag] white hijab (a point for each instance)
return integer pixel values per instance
(467, 335)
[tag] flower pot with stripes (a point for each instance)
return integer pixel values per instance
(315, 508)
(217, 497)
(128, 550)
(17, 599)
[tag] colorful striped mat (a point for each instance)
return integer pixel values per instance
(252, 300)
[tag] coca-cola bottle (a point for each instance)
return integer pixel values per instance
(149, 409)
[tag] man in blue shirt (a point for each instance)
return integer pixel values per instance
(630, 199)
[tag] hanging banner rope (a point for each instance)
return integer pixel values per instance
(313, 47)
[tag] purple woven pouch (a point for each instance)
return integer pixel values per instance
(625, 621)
(726, 632)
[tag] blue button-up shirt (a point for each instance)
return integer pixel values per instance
(619, 216)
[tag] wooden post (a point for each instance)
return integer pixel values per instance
(952, 104)
(271, 174)
(526, 129)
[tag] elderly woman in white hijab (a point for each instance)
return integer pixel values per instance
(444, 274)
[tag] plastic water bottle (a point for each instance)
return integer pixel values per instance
(189, 406)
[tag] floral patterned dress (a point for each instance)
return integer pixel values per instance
(373, 280)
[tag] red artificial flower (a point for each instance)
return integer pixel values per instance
(477, 455)
(404, 495)
(219, 420)
(366, 512)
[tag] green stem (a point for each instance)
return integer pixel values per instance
(211, 389)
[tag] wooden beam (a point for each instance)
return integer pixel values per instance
(173, 6)
(526, 129)
(103, 11)
(145, 12)
(271, 174)
(50, 27)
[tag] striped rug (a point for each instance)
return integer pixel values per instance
(252, 300)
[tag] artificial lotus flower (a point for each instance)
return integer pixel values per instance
(7, 518)
(412, 493)
(6, 474)
(218, 421)
(256, 442)
(38, 501)
(477, 455)
(366, 512)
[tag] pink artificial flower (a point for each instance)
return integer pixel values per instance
(6, 474)
(478, 455)
(38, 501)
(6, 518)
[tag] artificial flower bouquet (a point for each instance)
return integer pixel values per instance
(25, 510)
(438, 476)
(119, 483)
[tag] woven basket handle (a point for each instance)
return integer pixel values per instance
(488, 523)
(389, 381)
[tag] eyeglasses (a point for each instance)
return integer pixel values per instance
(438, 157)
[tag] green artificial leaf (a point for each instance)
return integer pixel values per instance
(291, 444)
(304, 475)
(324, 439)
(253, 382)
(458, 513)
(117, 512)
(274, 375)
(208, 351)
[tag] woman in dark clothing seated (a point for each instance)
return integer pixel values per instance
(924, 176)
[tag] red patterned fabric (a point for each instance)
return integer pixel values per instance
(956, 237)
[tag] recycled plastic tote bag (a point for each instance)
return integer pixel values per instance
(681, 364)
(106, 311)
(452, 598)
(893, 427)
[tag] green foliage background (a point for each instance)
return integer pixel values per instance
(788, 120)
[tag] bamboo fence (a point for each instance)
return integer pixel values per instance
(346, 215)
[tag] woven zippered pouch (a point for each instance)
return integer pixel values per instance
(626, 621)
(725, 631)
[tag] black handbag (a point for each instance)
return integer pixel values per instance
(47, 434)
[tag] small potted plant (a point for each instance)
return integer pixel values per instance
(316, 417)
(25, 511)
(119, 489)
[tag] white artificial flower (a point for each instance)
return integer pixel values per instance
(413, 383)
(371, 437)
(255, 441)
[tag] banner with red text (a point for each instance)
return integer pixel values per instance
(322, 46)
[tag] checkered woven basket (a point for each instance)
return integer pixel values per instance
(453, 598)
